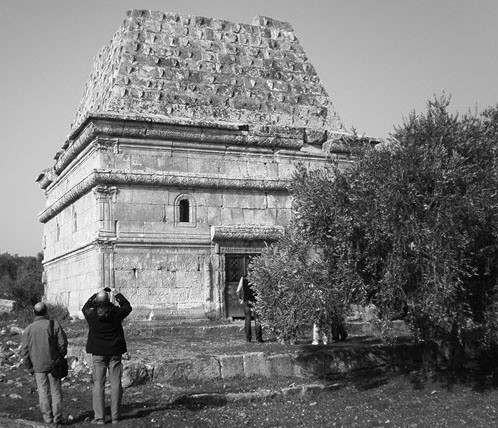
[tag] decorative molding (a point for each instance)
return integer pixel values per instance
(107, 144)
(108, 129)
(87, 135)
(111, 177)
(105, 193)
(105, 197)
(246, 233)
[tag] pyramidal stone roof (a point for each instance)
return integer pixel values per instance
(180, 68)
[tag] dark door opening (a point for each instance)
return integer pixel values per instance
(236, 266)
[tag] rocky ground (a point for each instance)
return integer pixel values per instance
(385, 400)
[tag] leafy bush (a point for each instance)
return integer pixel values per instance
(413, 225)
(293, 288)
(24, 316)
(58, 312)
(21, 279)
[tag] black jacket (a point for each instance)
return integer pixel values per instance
(105, 331)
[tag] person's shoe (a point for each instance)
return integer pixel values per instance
(115, 421)
(315, 342)
(98, 422)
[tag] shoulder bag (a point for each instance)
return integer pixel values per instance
(59, 367)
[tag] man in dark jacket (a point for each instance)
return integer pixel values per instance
(106, 343)
(247, 298)
(39, 346)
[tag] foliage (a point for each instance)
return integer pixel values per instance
(414, 224)
(58, 312)
(21, 279)
(23, 316)
(292, 285)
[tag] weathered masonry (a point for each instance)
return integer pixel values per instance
(176, 167)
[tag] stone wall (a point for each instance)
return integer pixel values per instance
(72, 279)
(73, 228)
(165, 281)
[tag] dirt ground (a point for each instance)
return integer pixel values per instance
(396, 400)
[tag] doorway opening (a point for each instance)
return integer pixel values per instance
(236, 266)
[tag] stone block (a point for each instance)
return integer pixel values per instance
(215, 216)
(209, 199)
(129, 227)
(249, 217)
(234, 168)
(231, 366)
(203, 368)
(265, 217)
(280, 365)
(138, 211)
(207, 165)
(171, 370)
(156, 195)
(246, 200)
(255, 365)
(237, 216)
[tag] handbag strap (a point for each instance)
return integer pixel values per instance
(53, 339)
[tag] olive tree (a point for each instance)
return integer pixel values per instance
(293, 287)
(412, 226)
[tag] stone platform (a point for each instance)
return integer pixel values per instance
(162, 351)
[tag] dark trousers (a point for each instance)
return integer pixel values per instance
(339, 331)
(102, 363)
(250, 314)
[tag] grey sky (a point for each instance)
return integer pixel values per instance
(378, 59)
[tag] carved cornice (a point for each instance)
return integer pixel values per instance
(109, 129)
(47, 177)
(246, 233)
(85, 137)
(107, 177)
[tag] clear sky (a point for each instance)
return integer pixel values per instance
(378, 60)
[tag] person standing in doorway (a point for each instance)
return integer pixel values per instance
(247, 298)
(40, 342)
(106, 343)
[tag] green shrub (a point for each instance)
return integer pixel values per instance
(21, 279)
(23, 316)
(293, 288)
(58, 312)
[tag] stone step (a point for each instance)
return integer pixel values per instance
(160, 363)
(206, 329)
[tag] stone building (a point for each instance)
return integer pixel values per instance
(176, 167)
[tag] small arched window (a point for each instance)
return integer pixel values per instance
(185, 211)
(58, 231)
(184, 214)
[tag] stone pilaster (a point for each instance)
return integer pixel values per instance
(105, 197)
(106, 262)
